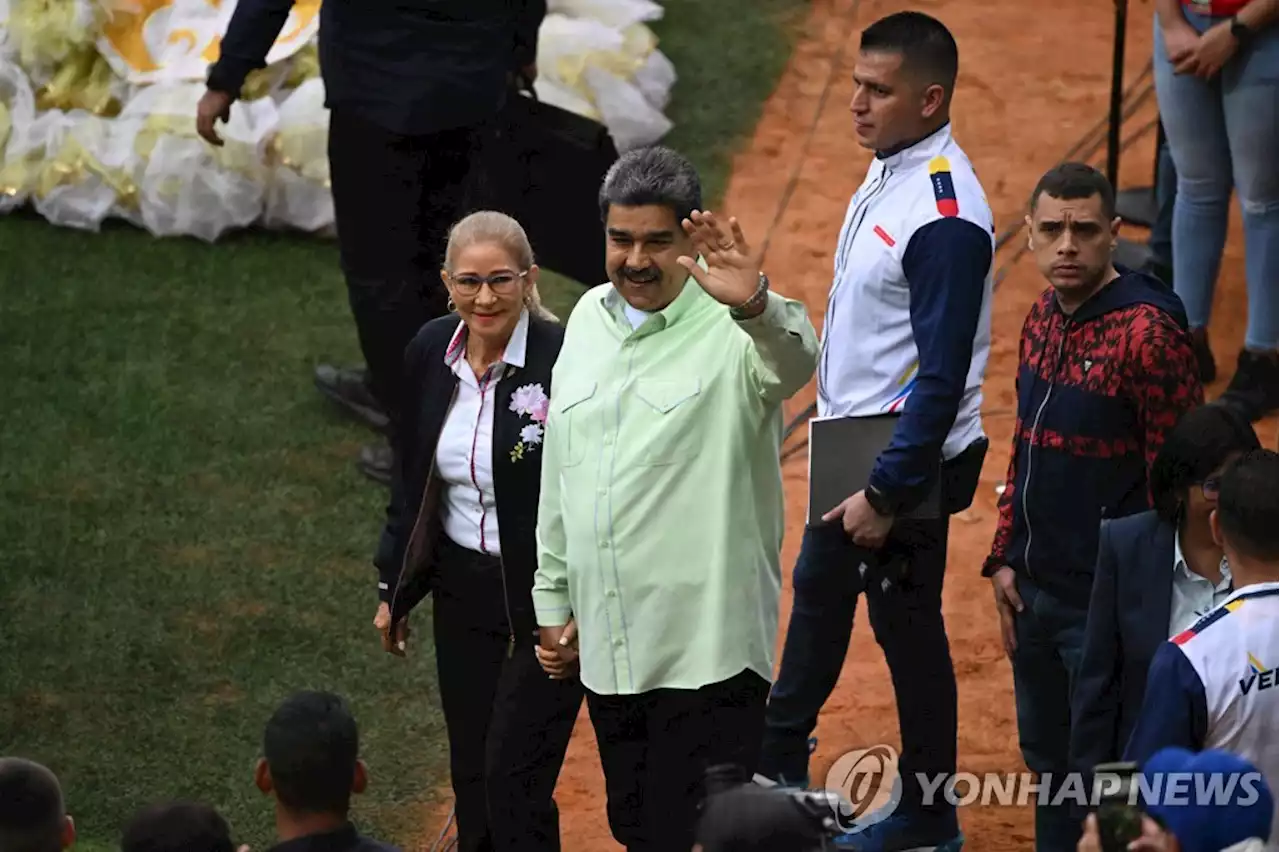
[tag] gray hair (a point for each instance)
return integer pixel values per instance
(32, 813)
(490, 226)
(656, 175)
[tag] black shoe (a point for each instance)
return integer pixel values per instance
(1204, 355)
(1255, 386)
(350, 390)
(375, 462)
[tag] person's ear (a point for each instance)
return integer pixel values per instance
(444, 276)
(934, 97)
(360, 780)
(262, 776)
(1216, 529)
(68, 831)
(1115, 231)
(531, 279)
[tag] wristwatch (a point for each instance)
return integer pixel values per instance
(878, 501)
(1240, 30)
(747, 308)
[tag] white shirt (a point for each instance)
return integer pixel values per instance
(1216, 685)
(1193, 596)
(869, 356)
(635, 316)
(464, 454)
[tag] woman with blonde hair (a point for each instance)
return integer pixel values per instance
(460, 528)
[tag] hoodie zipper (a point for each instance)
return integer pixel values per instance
(1031, 444)
(842, 254)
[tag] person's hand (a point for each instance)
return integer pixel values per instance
(733, 268)
(213, 106)
(1090, 840)
(863, 524)
(1180, 42)
(557, 650)
(382, 622)
(1212, 51)
(1008, 602)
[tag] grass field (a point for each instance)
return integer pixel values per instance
(185, 536)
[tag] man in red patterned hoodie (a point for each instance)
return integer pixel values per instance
(1105, 369)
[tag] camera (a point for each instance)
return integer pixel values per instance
(1118, 811)
(738, 815)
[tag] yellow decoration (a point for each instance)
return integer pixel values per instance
(46, 32)
(6, 128)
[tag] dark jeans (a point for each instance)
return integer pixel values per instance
(508, 723)
(1166, 190)
(907, 620)
(1050, 635)
(395, 198)
(655, 748)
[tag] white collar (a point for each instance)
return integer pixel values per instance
(1180, 566)
(512, 355)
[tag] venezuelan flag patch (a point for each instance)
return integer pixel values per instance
(944, 191)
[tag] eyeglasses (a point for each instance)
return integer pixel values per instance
(1209, 488)
(501, 283)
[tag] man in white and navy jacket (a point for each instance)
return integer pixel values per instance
(907, 332)
(1216, 684)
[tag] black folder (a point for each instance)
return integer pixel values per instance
(842, 454)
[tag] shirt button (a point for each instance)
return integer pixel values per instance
(604, 543)
(617, 643)
(611, 594)
(608, 440)
(604, 492)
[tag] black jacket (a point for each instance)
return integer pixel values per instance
(1128, 621)
(405, 557)
(408, 66)
(345, 839)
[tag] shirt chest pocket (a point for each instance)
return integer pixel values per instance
(662, 427)
(571, 427)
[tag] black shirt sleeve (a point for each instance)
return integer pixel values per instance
(255, 25)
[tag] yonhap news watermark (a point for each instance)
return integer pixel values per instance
(869, 786)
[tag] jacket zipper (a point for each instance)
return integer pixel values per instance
(842, 256)
(422, 504)
(1031, 444)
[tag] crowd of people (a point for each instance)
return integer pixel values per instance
(594, 508)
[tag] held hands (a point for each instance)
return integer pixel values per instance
(863, 524)
(1008, 602)
(557, 650)
(733, 267)
(1152, 839)
(1200, 55)
(382, 621)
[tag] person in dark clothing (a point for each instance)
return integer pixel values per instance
(33, 813)
(311, 765)
(1105, 370)
(411, 88)
(461, 528)
(178, 827)
(1157, 573)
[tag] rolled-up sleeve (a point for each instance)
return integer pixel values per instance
(786, 348)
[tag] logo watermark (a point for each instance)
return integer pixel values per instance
(870, 788)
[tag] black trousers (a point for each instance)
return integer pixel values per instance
(394, 199)
(655, 748)
(906, 617)
(508, 723)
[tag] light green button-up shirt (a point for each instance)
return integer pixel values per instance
(661, 519)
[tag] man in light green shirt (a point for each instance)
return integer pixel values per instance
(661, 513)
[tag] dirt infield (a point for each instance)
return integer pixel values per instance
(1034, 77)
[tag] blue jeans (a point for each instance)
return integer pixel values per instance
(1222, 134)
(1050, 636)
(907, 621)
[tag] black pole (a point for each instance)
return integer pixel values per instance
(1117, 93)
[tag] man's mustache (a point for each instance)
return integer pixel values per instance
(640, 276)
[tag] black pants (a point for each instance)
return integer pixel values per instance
(655, 748)
(509, 724)
(906, 617)
(394, 199)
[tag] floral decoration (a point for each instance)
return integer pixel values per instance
(530, 401)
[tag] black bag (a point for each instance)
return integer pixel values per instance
(543, 166)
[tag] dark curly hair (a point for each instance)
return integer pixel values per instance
(1202, 442)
